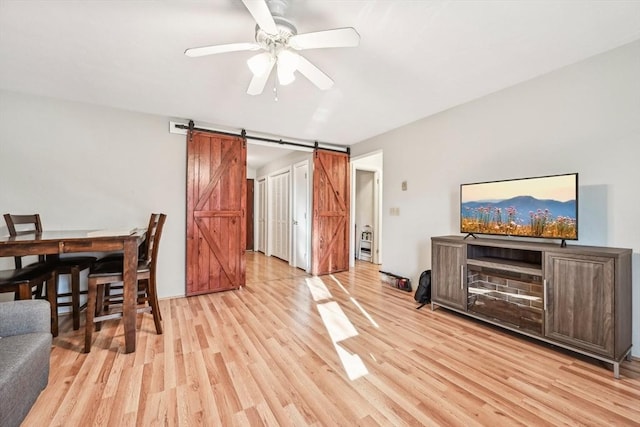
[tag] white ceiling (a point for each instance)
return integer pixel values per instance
(415, 59)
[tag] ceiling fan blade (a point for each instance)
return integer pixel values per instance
(258, 82)
(339, 37)
(220, 48)
(261, 13)
(314, 74)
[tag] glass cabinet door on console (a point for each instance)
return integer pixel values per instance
(580, 306)
(448, 285)
(512, 298)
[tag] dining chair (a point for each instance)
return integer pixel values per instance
(103, 303)
(27, 282)
(71, 266)
(143, 252)
(27, 278)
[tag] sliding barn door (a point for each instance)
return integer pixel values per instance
(216, 201)
(330, 212)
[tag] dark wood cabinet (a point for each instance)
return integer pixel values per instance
(575, 297)
(447, 274)
(581, 306)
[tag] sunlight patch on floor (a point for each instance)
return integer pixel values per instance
(337, 323)
(340, 328)
(353, 365)
(339, 284)
(364, 312)
(318, 289)
(355, 302)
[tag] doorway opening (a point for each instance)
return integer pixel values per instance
(366, 205)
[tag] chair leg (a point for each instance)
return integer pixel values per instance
(107, 293)
(52, 297)
(152, 280)
(153, 302)
(143, 293)
(101, 304)
(24, 291)
(38, 294)
(155, 298)
(75, 297)
(91, 309)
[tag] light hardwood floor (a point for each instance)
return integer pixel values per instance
(263, 356)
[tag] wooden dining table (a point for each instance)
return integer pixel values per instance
(74, 241)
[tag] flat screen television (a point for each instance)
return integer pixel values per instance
(543, 207)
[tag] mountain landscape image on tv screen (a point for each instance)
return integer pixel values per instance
(544, 207)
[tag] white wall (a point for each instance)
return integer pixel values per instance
(87, 167)
(584, 118)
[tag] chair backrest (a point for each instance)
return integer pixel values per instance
(26, 223)
(152, 241)
(31, 222)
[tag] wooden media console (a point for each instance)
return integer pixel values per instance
(575, 297)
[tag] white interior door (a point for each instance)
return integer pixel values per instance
(279, 217)
(301, 215)
(272, 233)
(262, 216)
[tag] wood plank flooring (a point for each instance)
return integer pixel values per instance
(263, 356)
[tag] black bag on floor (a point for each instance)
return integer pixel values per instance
(423, 293)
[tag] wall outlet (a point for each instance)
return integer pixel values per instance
(404, 185)
(394, 211)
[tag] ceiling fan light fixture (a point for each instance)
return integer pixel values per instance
(260, 63)
(287, 65)
(285, 78)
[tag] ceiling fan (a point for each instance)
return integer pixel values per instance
(279, 40)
